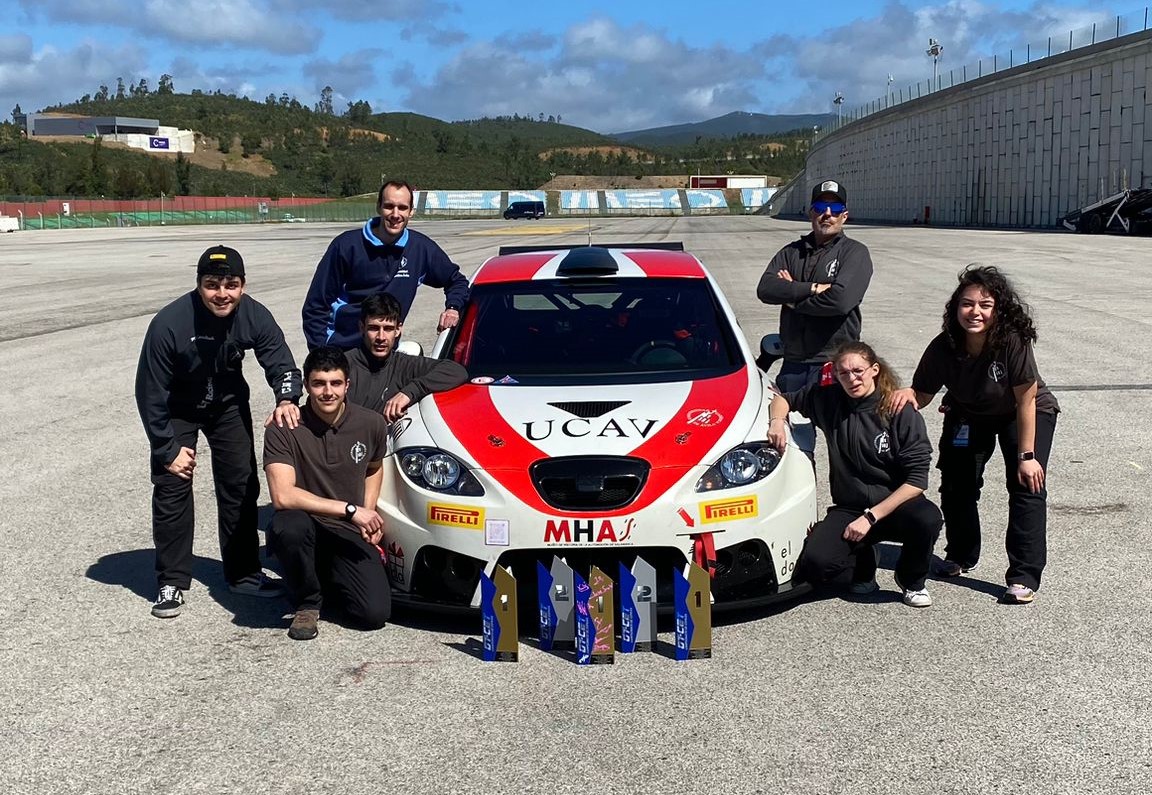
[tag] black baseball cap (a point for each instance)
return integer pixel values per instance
(220, 261)
(830, 186)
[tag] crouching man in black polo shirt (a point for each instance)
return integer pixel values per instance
(324, 476)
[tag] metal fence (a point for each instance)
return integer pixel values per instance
(1107, 29)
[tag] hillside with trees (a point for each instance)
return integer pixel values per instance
(321, 150)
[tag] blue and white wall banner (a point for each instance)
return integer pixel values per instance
(525, 196)
(705, 199)
(668, 199)
(578, 200)
(757, 197)
(462, 200)
(157, 143)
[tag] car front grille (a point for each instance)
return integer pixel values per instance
(589, 483)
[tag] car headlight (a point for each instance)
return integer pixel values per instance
(740, 466)
(436, 470)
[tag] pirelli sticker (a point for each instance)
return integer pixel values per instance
(729, 510)
(461, 516)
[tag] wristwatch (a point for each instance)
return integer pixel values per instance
(871, 517)
(1028, 456)
(349, 511)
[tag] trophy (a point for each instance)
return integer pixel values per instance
(637, 607)
(693, 613)
(498, 608)
(555, 591)
(595, 636)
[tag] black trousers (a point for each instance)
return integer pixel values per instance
(321, 562)
(229, 434)
(829, 559)
(962, 478)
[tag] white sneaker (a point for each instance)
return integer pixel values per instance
(918, 598)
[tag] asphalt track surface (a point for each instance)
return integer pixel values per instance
(819, 696)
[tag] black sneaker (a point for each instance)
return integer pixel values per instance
(168, 602)
(257, 585)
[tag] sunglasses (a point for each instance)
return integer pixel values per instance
(834, 207)
(390, 206)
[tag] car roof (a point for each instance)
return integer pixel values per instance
(520, 266)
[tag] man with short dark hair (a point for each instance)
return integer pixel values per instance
(385, 379)
(190, 379)
(384, 256)
(324, 476)
(819, 281)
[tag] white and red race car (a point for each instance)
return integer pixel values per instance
(614, 411)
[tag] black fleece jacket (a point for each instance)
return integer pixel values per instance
(868, 457)
(375, 382)
(813, 326)
(192, 361)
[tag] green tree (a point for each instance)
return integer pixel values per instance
(250, 143)
(127, 182)
(120, 94)
(183, 175)
(157, 177)
(359, 111)
(165, 88)
(325, 104)
(97, 178)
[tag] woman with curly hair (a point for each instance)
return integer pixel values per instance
(984, 358)
(878, 462)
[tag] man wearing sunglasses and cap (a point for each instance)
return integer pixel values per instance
(819, 282)
(190, 379)
(385, 256)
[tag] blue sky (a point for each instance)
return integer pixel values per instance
(607, 66)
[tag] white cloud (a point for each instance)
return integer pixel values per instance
(34, 78)
(208, 23)
(857, 58)
(347, 75)
(599, 74)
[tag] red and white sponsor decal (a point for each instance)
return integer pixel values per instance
(704, 418)
(473, 418)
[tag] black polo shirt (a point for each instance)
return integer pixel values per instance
(331, 461)
(982, 386)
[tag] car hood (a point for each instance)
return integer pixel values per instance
(675, 426)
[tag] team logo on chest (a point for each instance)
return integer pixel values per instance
(833, 266)
(996, 371)
(358, 452)
(883, 443)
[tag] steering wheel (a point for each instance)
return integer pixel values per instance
(652, 346)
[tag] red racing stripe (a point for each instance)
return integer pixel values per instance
(512, 268)
(505, 454)
(668, 264)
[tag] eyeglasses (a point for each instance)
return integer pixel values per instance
(834, 207)
(390, 206)
(852, 375)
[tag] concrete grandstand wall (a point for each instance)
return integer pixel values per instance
(1018, 148)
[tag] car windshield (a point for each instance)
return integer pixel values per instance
(574, 331)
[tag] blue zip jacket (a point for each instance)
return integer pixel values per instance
(358, 264)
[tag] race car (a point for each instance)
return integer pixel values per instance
(614, 411)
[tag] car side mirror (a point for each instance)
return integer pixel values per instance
(771, 349)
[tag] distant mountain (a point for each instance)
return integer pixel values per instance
(727, 126)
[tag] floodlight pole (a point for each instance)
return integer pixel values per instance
(935, 48)
(838, 101)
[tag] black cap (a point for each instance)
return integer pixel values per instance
(830, 186)
(220, 261)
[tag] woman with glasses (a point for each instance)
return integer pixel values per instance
(984, 358)
(878, 462)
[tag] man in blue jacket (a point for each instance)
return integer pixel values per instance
(385, 256)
